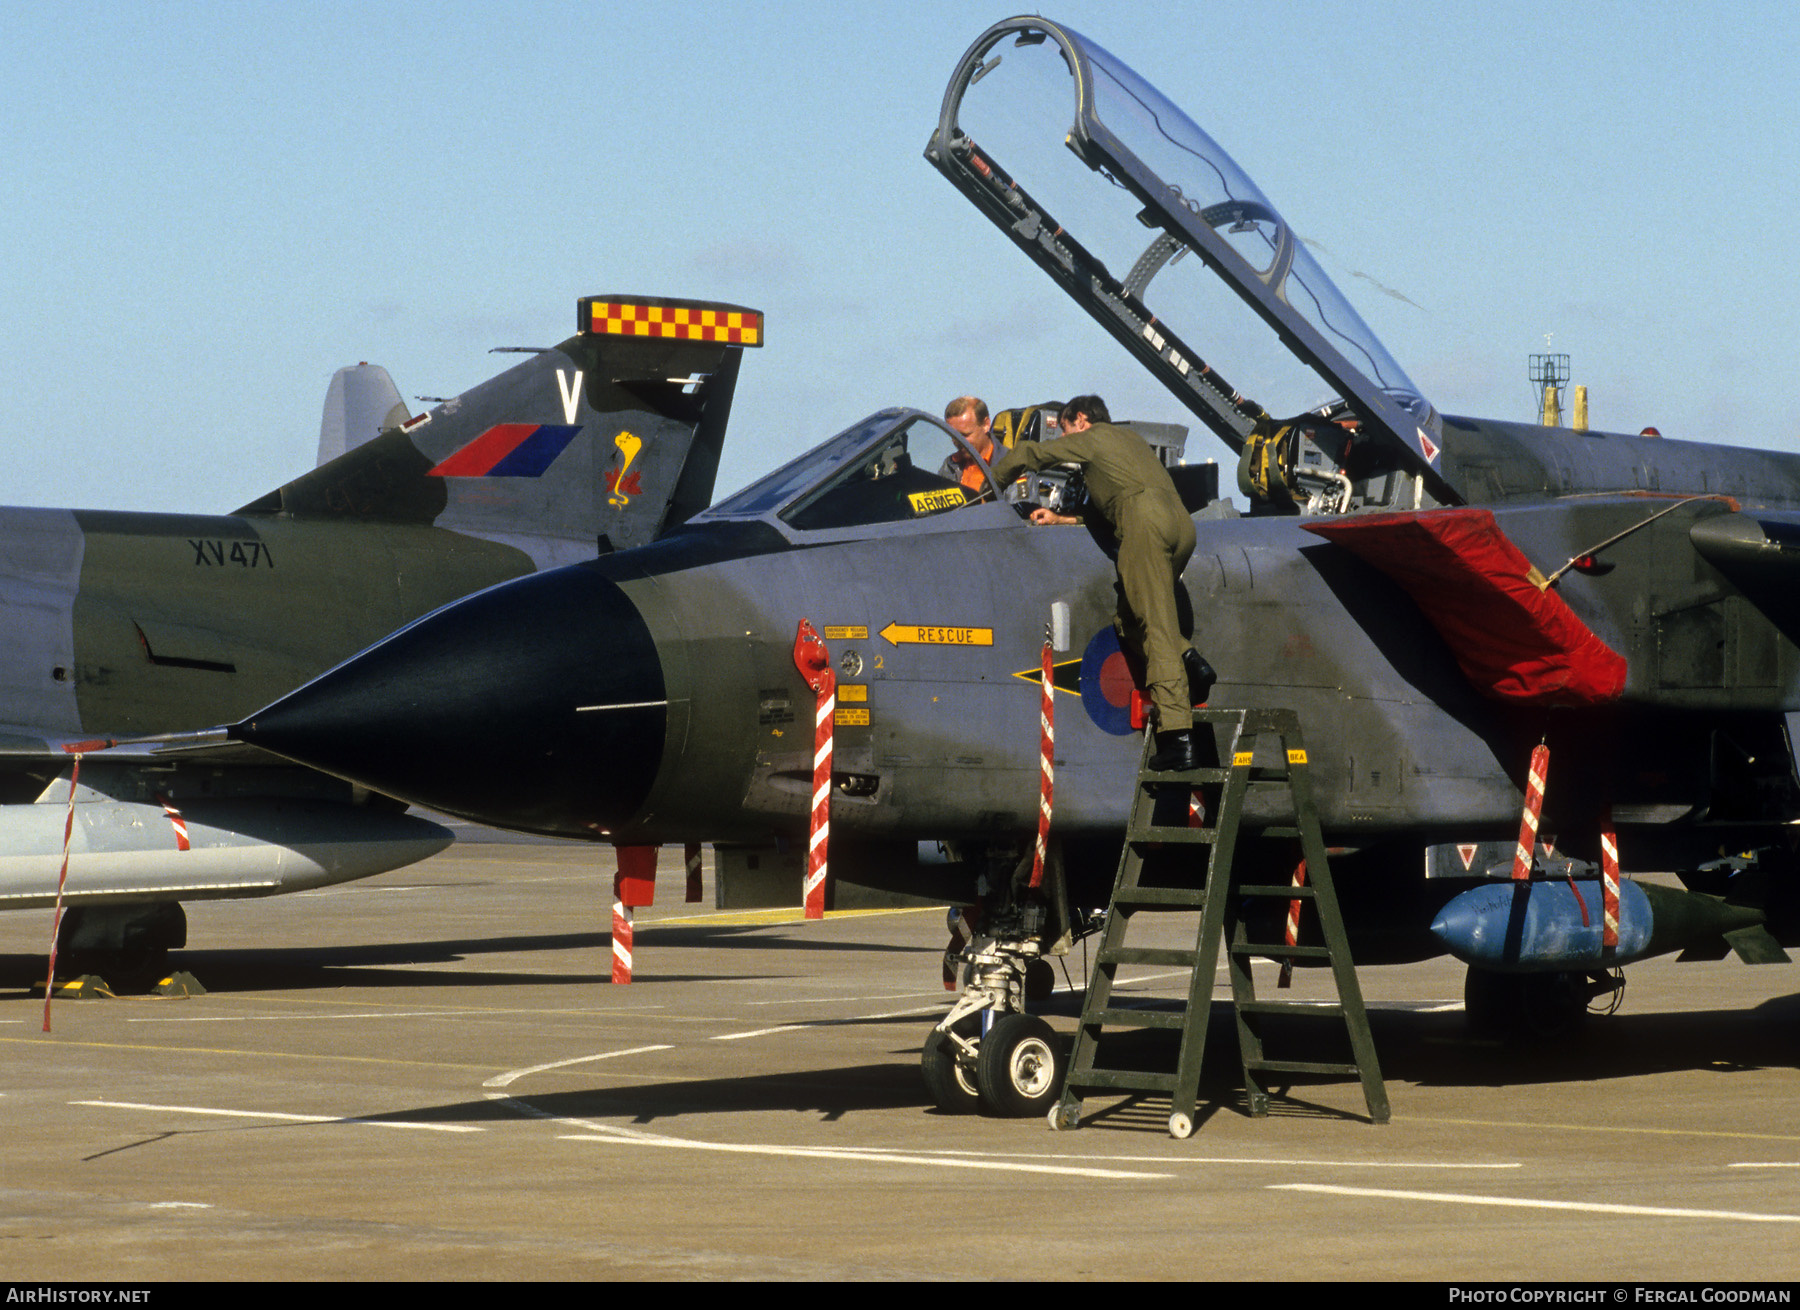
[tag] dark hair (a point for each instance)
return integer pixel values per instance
(1092, 406)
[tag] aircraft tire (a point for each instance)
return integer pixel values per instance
(950, 1083)
(128, 972)
(1021, 1067)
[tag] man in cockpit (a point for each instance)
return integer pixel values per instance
(968, 415)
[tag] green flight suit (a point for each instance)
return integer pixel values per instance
(1130, 487)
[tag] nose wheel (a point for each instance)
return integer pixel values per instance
(1020, 1070)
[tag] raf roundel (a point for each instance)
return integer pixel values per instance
(1106, 684)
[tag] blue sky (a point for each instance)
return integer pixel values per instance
(212, 207)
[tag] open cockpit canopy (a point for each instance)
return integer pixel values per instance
(1129, 193)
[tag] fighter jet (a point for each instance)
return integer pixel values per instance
(1434, 596)
(118, 625)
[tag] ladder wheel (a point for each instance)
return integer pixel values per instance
(950, 1082)
(1020, 1070)
(1181, 1126)
(1064, 1117)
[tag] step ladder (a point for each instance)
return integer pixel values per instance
(1171, 867)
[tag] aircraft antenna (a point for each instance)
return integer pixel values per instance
(1548, 374)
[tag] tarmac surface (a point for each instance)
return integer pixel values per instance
(429, 1075)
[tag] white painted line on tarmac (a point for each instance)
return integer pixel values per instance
(763, 1032)
(913, 1011)
(1138, 979)
(1765, 1164)
(282, 1118)
(513, 1075)
(1535, 1203)
(619, 1136)
(851, 1153)
(1253, 1161)
(831, 1000)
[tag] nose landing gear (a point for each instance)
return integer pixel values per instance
(987, 1054)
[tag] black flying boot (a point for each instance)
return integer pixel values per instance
(1175, 752)
(1200, 676)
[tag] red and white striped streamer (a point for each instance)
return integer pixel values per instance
(1046, 765)
(176, 822)
(61, 880)
(814, 663)
(621, 942)
(1292, 937)
(1534, 806)
(819, 840)
(1609, 881)
(693, 872)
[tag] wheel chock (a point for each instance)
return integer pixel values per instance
(89, 986)
(179, 983)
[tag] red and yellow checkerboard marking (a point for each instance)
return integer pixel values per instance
(732, 327)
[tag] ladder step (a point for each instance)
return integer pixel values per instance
(1286, 892)
(1128, 1080)
(1147, 955)
(1135, 1019)
(1185, 898)
(1200, 777)
(1152, 836)
(1277, 952)
(1302, 1066)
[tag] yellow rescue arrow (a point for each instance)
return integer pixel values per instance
(919, 635)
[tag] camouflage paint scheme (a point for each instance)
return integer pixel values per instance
(124, 624)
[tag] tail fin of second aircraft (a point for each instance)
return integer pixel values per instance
(360, 404)
(602, 442)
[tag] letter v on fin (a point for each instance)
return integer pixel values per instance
(570, 393)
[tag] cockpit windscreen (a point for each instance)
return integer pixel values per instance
(893, 467)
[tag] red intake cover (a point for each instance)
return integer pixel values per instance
(1513, 639)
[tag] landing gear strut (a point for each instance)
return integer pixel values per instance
(987, 1054)
(997, 974)
(949, 1067)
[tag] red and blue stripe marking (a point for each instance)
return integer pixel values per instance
(509, 450)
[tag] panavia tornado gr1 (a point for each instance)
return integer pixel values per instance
(1434, 596)
(125, 624)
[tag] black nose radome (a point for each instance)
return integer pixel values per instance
(538, 704)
